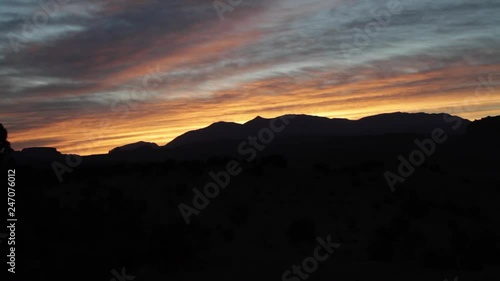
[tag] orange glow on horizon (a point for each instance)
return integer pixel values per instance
(161, 121)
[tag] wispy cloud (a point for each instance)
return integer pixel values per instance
(263, 56)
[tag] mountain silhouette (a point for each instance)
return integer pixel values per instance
(489, 126)
(313, 126)
(135, 146)
(213, 139)
(221, 138)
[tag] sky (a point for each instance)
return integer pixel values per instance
(86, 76)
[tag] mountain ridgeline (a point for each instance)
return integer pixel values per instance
(314, 126)
(313, 132)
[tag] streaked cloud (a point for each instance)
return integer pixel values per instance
(80, 73)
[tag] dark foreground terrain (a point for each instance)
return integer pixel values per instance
(120, 213)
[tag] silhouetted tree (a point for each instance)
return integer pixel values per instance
(5, 148)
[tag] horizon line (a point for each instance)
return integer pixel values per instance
(258, 116)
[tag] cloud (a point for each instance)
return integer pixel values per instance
(264, 55)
